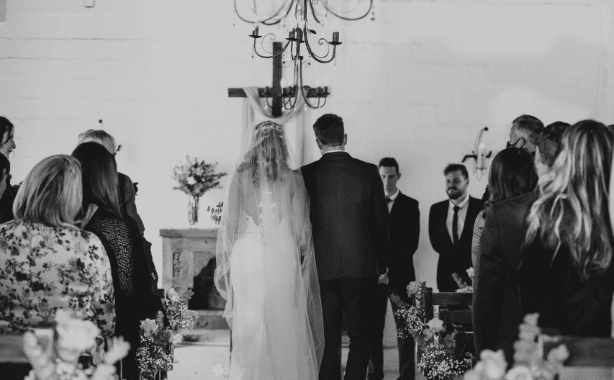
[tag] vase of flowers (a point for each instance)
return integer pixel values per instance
(195, 177)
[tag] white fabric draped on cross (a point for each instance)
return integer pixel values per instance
(292, 121)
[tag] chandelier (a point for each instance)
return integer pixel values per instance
(305, 12)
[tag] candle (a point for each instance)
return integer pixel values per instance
(255, 33)
(335, 36)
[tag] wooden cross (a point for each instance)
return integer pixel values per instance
(276, 92)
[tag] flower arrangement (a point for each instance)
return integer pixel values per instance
(54, 353)
(463, 287)
(529, 363)
(155, 355)
(439, 359)
(196, 177)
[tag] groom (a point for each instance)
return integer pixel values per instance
(350, 234)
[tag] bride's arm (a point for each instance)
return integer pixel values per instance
(301, 215)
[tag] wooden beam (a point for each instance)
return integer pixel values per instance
(239, 93)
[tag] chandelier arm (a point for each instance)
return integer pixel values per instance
(313, 13)
(266, 21)
(321, 59)
(325, 4)
(272, 55)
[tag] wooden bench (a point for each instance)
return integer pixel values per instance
(461, 317)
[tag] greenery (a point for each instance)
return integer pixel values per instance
(196, 177)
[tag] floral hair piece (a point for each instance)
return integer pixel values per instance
(267, 126)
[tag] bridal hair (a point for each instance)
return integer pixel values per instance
(268, 154)
(99, 176)
(572, 210)
(52, 192)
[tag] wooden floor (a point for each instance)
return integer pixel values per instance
(208, 358)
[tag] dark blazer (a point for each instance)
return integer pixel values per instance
(404, 237)
(553, 287)
(349, 216)
(496, 307)
(451, 259)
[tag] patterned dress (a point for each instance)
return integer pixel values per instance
(45, 268)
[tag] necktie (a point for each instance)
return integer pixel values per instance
(455, 225)
(388, 200)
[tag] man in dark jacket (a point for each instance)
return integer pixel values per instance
(350, 234)
(404, 235)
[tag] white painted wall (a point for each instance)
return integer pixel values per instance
(417, 83)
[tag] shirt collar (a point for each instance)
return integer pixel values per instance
(395, 195)
(334, 151)
(462, 204)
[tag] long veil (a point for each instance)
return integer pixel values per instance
(267, 199)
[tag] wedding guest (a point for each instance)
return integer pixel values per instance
(5, 170)
(404, 235)
(7, 145)
(451, 228)
(523, 134)
(512, 173)
(126, 194)
(567, 273)
(43, 255)
(121, 240)
(496, 305)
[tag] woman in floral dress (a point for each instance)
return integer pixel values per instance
(46, 263)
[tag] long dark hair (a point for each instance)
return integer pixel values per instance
(512, 173)
(99, 176)
(5, 127)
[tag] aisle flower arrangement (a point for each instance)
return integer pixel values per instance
(156, 352)
(54, 353)
(195, 177)
(529, 362)
(439, 358)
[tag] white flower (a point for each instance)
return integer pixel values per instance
(531, 319)
(492, 364)
(191, 180)
(149, 326)
(471, 273)
(412, 288)
(172, 295)
(74, 335)
(559, 354)
(436, 325)
(519, 373)
(118, 349)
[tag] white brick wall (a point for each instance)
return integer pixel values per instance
(417, 83)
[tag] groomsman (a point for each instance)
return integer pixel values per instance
(451, 228)
(404, 234)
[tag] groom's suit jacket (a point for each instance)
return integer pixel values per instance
(349, 216)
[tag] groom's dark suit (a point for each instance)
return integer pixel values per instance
(350, 233)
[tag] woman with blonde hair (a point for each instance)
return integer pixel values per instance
(567, 272)
(46, 263)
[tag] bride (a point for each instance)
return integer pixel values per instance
(266, 267)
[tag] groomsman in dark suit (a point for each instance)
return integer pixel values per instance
(451, 228)
(350, 235)
(404, 234)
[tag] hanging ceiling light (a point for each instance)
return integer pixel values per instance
(304, 11)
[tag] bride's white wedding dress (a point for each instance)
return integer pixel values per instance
(273, 299)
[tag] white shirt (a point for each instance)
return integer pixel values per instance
(392, 197)
(462, 213)
(334, 150)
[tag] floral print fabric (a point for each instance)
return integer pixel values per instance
(45, 268)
